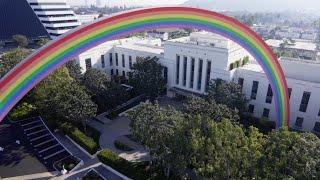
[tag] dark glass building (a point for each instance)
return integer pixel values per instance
(17, 17)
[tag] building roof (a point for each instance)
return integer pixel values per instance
(17, 17)
(302, 45)
(149, 49)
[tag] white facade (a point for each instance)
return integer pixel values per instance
(192, 61)
(56, 16)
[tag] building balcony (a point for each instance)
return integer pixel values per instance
(53, 12)
(57, 25)
(66, 18)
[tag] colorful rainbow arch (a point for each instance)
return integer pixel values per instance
(40, 64)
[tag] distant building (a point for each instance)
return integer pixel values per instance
(296, 33)
(191, 62)
(87, 18)
(56, 16)
(302, 49)
(17, 17)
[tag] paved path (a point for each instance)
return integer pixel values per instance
(103, 170)
(116, 129)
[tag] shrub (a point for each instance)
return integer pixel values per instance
(134, 170)
(79, 137)
(121, 146)
(237, 63)
(23, 111)
(231, 66)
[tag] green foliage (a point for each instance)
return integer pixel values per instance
(79, 137)
(199, 106)
(74, 70)
(130, 169)
(155, 127)
(291, 155)
(95, 80)
(12, 58)
(231, 66)
(22, 111)
(20, 40)
(147, 77)
(121, 146)
(60, 97)
(42, 41)
(227, 93)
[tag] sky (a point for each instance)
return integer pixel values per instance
(231, 5)
(130, 2)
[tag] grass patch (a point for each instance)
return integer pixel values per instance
(121, 146)
(134, 170)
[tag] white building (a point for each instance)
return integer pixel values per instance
(192, 61)
(56, 16)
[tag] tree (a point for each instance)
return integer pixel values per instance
(10, 59)
(291, 155)
(95, 80)
(156, 128)
(221, 150)
(20, 40)
(42, 41)
(74, 70)
(76, 105)
(113, 96)
(147, 77)
(227, 93)
(210, 109)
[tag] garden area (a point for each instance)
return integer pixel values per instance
(89, 140)
(68, 163)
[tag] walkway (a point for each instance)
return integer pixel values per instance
(105, 171)
(115, 130)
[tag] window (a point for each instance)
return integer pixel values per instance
(304, 101)
(130, 62)
(110, 59)
(289, 91)
(240, 82)
(266, 112)
(251, 108)
(123, 61)
(299, 122)
(319, 113)
(111, 72)
(185, 61)
(269, 95)
(192, 73)
(317, 127)
(208, 74)
(200, 74)
(123, 74)
(117, 63)
(103, 65)
(88, 64)
(254, 90)
(165, 74)
(177, 69)
(117, 72)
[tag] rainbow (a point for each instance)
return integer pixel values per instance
(40, 64)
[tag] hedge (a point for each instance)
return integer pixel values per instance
(121, 146)
(79, 137)
(133, 170)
